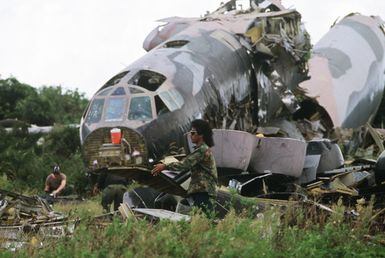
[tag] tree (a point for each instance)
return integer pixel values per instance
(36, 110)
(26, 159)
(67, 107)
(11, 92)
(44, 106)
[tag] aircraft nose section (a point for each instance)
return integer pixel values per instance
(115, 147)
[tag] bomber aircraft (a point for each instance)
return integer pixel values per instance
(247, 72)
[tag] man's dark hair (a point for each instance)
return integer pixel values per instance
(56, 168)
(203, 128)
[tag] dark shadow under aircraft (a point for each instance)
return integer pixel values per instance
(240, 70)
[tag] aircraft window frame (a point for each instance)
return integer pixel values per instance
(176, 43)
(135, 90)
(122, 108)
(160, 107)
(115, 79)
(105, 92)
(178, 97)
(152, 108)
(96, 118)
(119, 91)
(172, 99)
(147, 79)
(86, 110)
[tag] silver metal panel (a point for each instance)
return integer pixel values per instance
(331, 156)
(233, 148)
(163, 214)
(278, 156)
(309, 172)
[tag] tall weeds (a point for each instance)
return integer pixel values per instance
(295, 231)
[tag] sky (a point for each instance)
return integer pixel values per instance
(80, 44)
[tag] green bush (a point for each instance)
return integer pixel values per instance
(26, 159)
(43, 106)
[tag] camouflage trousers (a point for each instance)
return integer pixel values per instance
(203, 201)
(112, 193)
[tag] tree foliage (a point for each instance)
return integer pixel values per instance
(26, 159)
(11, 92)
(44, 106)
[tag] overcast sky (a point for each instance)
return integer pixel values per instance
(82, 43)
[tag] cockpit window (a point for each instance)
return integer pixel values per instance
(115, 109)
(160, 107)
(177, 97)
(105, 92)
(135, 90)
(172, 98)
(175, 44)
(140, 108)
(116, 79)
(149, 80)
(119, 91)
(95, 112)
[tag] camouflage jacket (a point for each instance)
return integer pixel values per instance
(201, 163)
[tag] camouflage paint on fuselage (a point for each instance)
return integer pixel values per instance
(347, 70)
(202, 68)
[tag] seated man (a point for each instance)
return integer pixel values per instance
(55, 182)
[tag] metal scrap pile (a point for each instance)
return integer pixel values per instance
(29, 220)
(279, 47)
(343, 181)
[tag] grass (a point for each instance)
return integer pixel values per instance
(80, 209)
(274, 233)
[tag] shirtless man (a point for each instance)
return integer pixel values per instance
(55, 182)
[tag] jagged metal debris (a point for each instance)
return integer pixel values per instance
(152, 214)
(29, 221)
(342, 181)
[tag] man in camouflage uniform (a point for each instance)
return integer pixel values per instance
(201, 163)
(114, 187)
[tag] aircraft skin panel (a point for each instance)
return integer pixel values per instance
(196, 69)
(374, 38)
(204, 56)
(200, 73)
(239, 71)
(341, 65)
(278, 155)
(236, 24)
(352, 87)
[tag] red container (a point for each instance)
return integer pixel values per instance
(116, 135)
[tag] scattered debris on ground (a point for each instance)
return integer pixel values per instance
(30, 221)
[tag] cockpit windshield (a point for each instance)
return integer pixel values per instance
(114, 109)
(140, 108)
(95, 112)
(122, 103)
